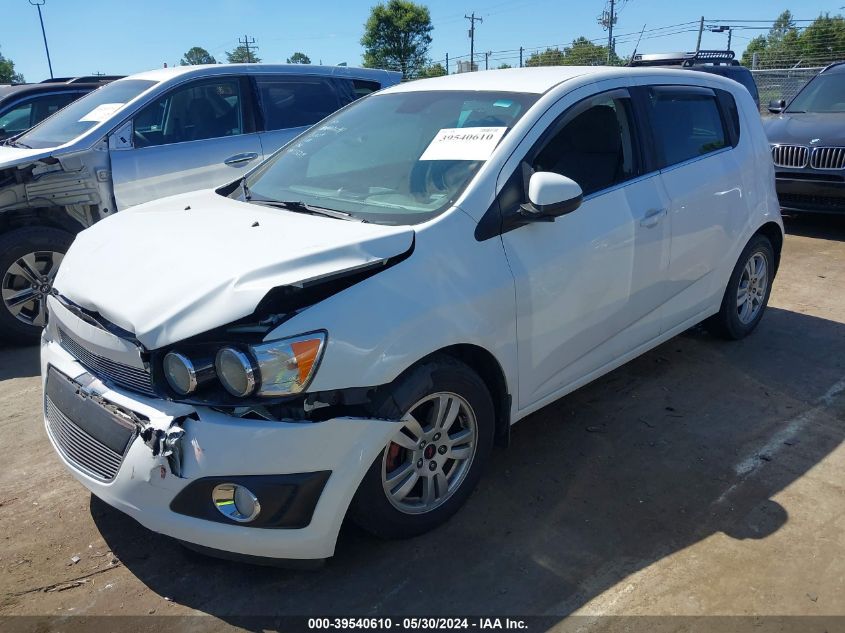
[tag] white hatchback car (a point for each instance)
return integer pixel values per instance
(350, 328)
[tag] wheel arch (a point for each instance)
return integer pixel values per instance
(487, 366)
(774, 233)
(51, 217)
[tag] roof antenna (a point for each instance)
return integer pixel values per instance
(631, 61)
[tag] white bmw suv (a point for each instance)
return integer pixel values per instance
(352, 326)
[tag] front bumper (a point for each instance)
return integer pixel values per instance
(800, 192)
(218, 445)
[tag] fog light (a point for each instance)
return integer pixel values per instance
(235, 502)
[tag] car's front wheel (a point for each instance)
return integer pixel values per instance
(29, 261)
(435, 458)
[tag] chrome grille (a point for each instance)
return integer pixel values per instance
(828, 158)
(79, 448)
(121, 375)
(790, 155)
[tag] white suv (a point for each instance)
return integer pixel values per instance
(352, 326)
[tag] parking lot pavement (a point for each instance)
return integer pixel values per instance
(702, 478)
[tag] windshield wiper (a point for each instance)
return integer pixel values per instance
(12, 143)
(297, 206)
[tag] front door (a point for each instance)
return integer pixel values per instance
(589, 286)
(197, 136)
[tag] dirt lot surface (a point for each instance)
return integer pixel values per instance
(705, 477)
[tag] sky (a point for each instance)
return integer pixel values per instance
(124, 37)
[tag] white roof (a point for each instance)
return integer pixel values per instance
(532, 80)
(164, 74)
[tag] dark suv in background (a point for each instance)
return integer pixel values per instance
(808, 144)
(721, 63)
(24, 105)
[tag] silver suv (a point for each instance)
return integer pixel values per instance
(143, 137)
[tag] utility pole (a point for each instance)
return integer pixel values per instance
(607, 19)
(39, 4)
(487, 60)
(447, 63)
(246, 43)
(700, 31)
(520, 57)
(472, 20)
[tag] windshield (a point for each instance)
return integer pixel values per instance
(83, 114)
(393, 158)
(825, 93)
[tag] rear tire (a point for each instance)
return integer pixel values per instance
(29, 259)
(429, 469)
(747, 294)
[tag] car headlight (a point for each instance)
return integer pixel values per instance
(184, 374)
(237, 371)
(287, 366)
(273, 369)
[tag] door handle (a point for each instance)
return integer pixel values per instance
(653, 217)
(238, 159)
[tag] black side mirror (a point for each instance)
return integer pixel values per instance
(776, 106)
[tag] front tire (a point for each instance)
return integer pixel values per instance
(29, 260)
(747, 294)
(435, 459)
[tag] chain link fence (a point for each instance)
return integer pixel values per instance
(781, 83)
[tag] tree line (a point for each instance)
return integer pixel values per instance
(785, 46)
(398, 36)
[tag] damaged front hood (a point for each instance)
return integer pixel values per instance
(12, 156)
(176, 267)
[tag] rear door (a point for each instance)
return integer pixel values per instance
(290, 104)
(699, 172)
(198, 135)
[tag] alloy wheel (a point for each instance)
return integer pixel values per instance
(429, 457)
(27, 283)
(753, 284)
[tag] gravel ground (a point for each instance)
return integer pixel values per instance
(703, 478)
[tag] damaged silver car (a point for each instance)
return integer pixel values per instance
(144, 137)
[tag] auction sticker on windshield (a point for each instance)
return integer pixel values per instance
(468, 143)
(102, 112)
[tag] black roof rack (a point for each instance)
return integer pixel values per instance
(92, 79)
(84, 79)
(685, 59)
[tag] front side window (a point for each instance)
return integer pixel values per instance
(824, 94)
(290, 102)
(371, 160)
(85, 113)
(16, 120)
(594, 144)
(687, 122)
(200, 110)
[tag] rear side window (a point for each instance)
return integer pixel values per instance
(289, 102)
(48, 105)
(687, 122)
(362, 87)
